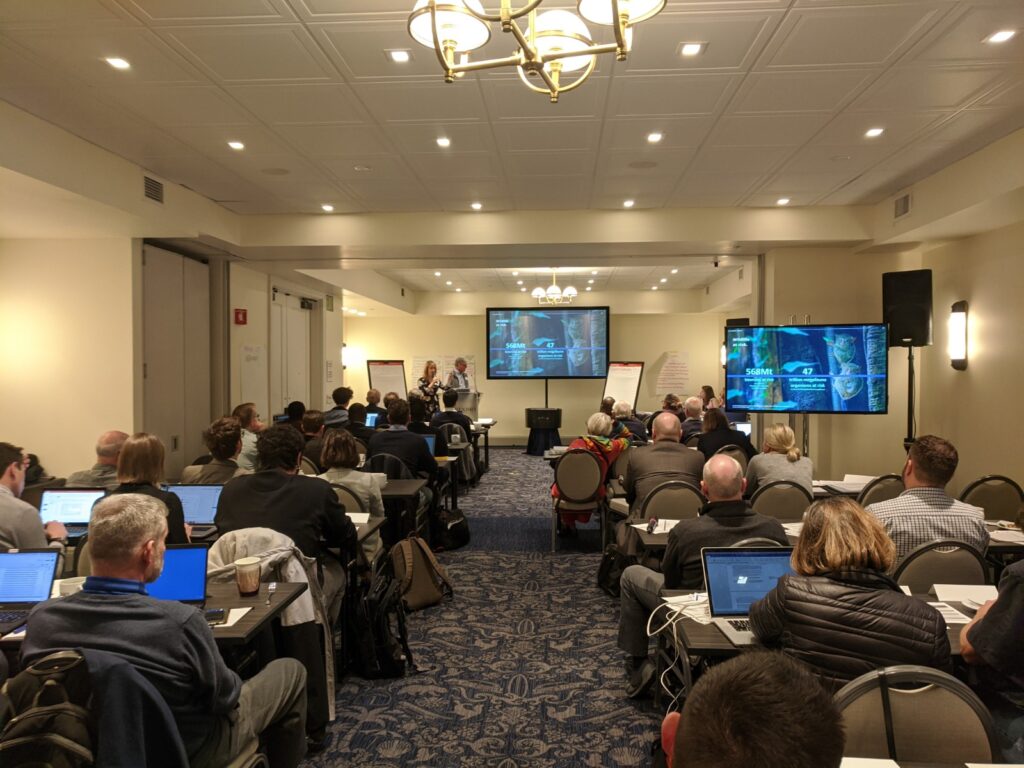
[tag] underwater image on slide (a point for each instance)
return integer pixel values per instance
(807, 369)
(547, 343)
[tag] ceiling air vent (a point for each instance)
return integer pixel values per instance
(901, 206)
(153, 189)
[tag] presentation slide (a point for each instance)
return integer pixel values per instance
(807, 369)
(564, 343)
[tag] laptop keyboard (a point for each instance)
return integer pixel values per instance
(77, 530)
(740, 625)
(7, 616)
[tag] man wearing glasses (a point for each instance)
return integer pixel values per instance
(20, 525)
(252, 425)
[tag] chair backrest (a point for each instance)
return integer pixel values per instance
(882, 488)
(33, 494)
(915, 714)
(998, 495)
(941, 562)
(454, 432)
(736, 452)
(619, 467)
(756, 541)
(348, 498)
(389, 464)
(781, 499)
(673, 500)
(83, 559)
(361, 447)
(467, 466)
(691, 441)
(307, 467)
(579, 476)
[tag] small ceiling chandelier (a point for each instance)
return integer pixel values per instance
(556, 42)
(554, 294)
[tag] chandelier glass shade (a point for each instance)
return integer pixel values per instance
(552, 43)
(554, 294)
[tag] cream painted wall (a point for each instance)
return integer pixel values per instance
(976, 408)
(834, 285)
(633, 337)
(67, 338)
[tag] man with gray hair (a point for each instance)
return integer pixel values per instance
(724, 520)
(622, 412)
(104, 472)
(170, 643)
(692, 424)
(458, 379)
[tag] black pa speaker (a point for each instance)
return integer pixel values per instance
(907, 307)
(544, 418)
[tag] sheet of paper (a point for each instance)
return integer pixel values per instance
(957, 593)
(950, 614)
(906, 590)
(847, 486)
(862, 479)
(359, 517)
(867, 762)
(663, 526)
(1014, 537)
(793, 529)
(234, 616)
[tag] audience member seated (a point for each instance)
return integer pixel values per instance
(622, 412)
(450, 415)
(341, 458)
(599, 443)
(389, 398)
(302, 508)
(313, 433)
(170, 644)
(140, 469)
(693, 424)
(412, 449)
(670, 403)
(223, 439)
(357, 423)
(295, 411)
(373, 404)
(924, 511)
(760, 709)
(708, 400)
(20, 524)
(338, 415)
(991, 644)
(251, 424)
(724, 520)
(427, 387)
(103, 473)
(665, 459)
(418, 418)
(840, 614)
(780, 460)
(717, 434)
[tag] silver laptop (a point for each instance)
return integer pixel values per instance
(72, 507)
(26, 579)
(199, 503)
(736, 577)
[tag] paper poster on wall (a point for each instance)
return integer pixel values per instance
(252, 375)
(623, 382)
(674, 376)
(387, 376)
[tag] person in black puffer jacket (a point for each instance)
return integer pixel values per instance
(840, 614)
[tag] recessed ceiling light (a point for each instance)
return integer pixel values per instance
(654, 138)
(458, 290)
(361, 168)
(236, 145)
(692, 49)
(628, 203)
(327, 208)
(522, 289)
(874, 133)
(589, 288)
(519, 282)
(437, 274)
(476, 206)
(782, 201)
(515, 273)
(654, 287)
(593, 271)
(444, 142)
(117, 63)
(675, 271)
(591, 282)
(996, 37)
(360, 314)
(447, 282)
(399, 56)
(663, 280)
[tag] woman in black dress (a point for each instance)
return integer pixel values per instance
(428, 386)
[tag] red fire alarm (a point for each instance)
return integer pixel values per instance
(241, 317)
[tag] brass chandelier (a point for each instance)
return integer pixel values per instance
(555, 43)
(554, 294)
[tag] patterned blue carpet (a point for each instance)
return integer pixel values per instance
(521, 667)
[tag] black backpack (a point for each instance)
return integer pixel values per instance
(381, 638)
(46, 719)
(453, 532)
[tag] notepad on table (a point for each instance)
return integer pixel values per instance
(663, 526)
(950, 614)
(959, 593)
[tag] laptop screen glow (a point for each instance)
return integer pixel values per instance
(738, 577)
(743, 426)
(430, 442)
(67, 506)
(371, 420)
(183, 577)
(199, 502)
(26, 577)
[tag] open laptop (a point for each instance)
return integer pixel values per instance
(431, 439)
(735, 578)
(73, 507)
(184, 575)
(743, 426)
(26, 578)
(371, 420)
(199, 503)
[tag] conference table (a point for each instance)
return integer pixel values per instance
(406, 491)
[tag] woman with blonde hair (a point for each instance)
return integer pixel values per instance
(606, 449)
(140, 469)
(779, 459)
(840, 613)
(427, 386)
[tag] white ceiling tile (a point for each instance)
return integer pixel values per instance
(900, 127)
(557, 192)
(19, 13)
(821, 91)
(326, 9)
(712, 189)
(380, 167)
(633, 187)
(181, 104)
(329, 140)
(422, 101)
(213, 140)
(548, 134)
(770, 199)
(963, 40)
(297, 103)
(258, 53)
(676, 132)
(916, 88)
(968, 123)
(456, 165)
(192, 11)
(510, 99)
(422, 137)
(359, 49)
(852, 159)
(670, 94)
(766, 130)
(647, 162)
(808, 185)
(549, 164)
(1007, 96)
(739, 159)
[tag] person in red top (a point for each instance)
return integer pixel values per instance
(607, 449)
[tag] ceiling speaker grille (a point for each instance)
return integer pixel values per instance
(901, 206)
(153, 189)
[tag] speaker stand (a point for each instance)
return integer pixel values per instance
(545, 393)
(909, 439)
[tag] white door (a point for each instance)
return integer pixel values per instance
(289, 351)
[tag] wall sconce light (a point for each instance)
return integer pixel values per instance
(958, 336)
(723, 355)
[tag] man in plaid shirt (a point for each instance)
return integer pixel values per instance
(924, 512)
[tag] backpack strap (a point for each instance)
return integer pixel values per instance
(403, 637)
(442, 574)
(405, 547)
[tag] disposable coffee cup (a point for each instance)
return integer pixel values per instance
(247, 575)
(71, 585)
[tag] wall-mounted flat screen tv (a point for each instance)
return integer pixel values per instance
(548, 343)
(807, 369)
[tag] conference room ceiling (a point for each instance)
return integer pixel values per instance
(776, 106)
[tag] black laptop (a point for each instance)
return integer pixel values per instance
(70, 506)
(199, 503)
(26, 579)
